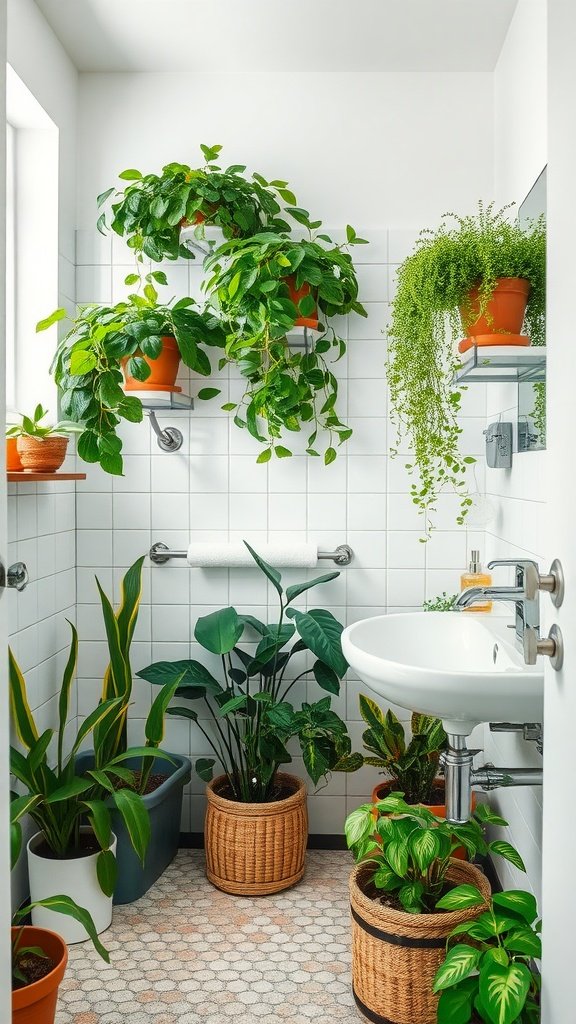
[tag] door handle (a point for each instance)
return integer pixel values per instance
(18, 576)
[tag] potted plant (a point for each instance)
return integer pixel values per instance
(39, 447)
(411, 766)
(256, 819)
(73, 850)
(488, 975)
(158, 781)
(452, 285)
(407, 895)
(152, 209)
(263, 287)
(39, 959)
(139, 336)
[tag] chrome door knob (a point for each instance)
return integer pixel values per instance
(17, 576)
(551, 646)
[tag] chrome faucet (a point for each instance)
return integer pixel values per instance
(524, 594)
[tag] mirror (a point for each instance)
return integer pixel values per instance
(531, 394)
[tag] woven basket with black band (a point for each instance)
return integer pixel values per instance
(256, 849)
(395, 955)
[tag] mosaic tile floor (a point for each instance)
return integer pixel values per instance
(188, 954)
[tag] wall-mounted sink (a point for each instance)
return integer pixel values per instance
(462, 667)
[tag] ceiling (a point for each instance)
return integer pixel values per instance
(281, 35)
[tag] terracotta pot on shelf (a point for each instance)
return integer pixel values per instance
(296, 294)
(13, 463)
(502, 320)
(36, 1003)
(383, 789)
(395, 955)
(256, 849)
(42, 454)
(163, 370)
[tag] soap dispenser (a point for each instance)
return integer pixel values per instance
(475, 577)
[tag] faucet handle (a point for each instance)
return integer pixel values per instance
(530, 575)
(552, 646)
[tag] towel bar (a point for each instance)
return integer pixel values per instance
(160, 553)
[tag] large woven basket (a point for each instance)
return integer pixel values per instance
(396, 955)
(256, 849)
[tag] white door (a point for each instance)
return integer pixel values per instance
(559, 891)
(5, 987)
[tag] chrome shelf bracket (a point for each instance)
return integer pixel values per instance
(170, 439)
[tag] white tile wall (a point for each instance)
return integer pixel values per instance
(214, 490)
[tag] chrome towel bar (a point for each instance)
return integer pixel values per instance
(160, 553)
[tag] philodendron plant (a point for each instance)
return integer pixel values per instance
(261, 287)
(488, 974)
(32, 426)
(88, 360)
(251, 718)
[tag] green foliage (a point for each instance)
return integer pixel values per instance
(151, 210)
(31, 426)
(251, 718)
(433, 283)
(412, 766)
(488, 975)
(88, 360)
(409, 851)
(442, 603)
(59, 905)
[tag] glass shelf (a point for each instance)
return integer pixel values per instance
(502, 364)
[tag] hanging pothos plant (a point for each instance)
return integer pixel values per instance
(152, 209)
(433, 283)
(263, 287)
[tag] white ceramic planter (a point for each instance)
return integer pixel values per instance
(75, 878)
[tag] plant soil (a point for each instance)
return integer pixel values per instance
(34, 968)
(278, 793)
(391, 901)
(155, 780)
(86, 847)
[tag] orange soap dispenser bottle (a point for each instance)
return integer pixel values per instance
(476, 577)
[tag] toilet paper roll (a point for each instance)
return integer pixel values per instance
(281, 556)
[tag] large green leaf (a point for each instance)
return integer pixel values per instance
(71, 789)
(321, 632)
(99, 818)
(460, 898)
(107, 871)
(65, 905)
(299, 588)
(424, 847)
(519, 902)
(154, 728)
(64, 699)
(508, 852)
(272, 574)
(315, 758)
(220, 631)
(396, 853)
(503, 990)
(459, 963)
(194, 677)
(359, 825)
(107, 711)
(326, 677)
(524, 941)
(21, 713)
(136, 819)
(455, 1004)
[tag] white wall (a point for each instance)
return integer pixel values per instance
(377, 151)
(518, 494)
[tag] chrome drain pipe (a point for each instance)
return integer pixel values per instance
(461, 777)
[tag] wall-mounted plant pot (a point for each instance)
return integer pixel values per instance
(164, 806)
(36, 1003)
(256, 849)
(13, 463)
(383, 789)
(504, 314)
(395, 955)
(163, 370)
(73, 876)
(296, 294)
(42, 454)
(491, 340)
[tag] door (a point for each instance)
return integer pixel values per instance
(559, 892)
(5, 987)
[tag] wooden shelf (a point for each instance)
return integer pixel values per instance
(27, 477)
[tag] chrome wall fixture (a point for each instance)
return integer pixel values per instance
(169, 439)
(160, 553)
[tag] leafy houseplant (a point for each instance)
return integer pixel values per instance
(251, 723)
(407, 895)
(434, 286)
(41, 448)
(410, 766)
(88, 361)
(152, 208)
(262, 287)
(487, 975)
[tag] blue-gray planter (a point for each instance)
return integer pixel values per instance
(164, 806)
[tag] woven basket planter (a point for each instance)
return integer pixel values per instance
(42, 454)
(396, 955)
(256, 849)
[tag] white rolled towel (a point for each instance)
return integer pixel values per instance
(282, 556)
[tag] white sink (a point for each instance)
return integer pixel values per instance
(462, 667)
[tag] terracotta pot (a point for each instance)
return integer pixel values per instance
(383, 789)
(36, 1003)
(42, 454)
(164, 369)
(395, 955)
(488, 340)
(504, 314)
(256, 849)
(13, 464)
(296, 294)
(199, 218)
